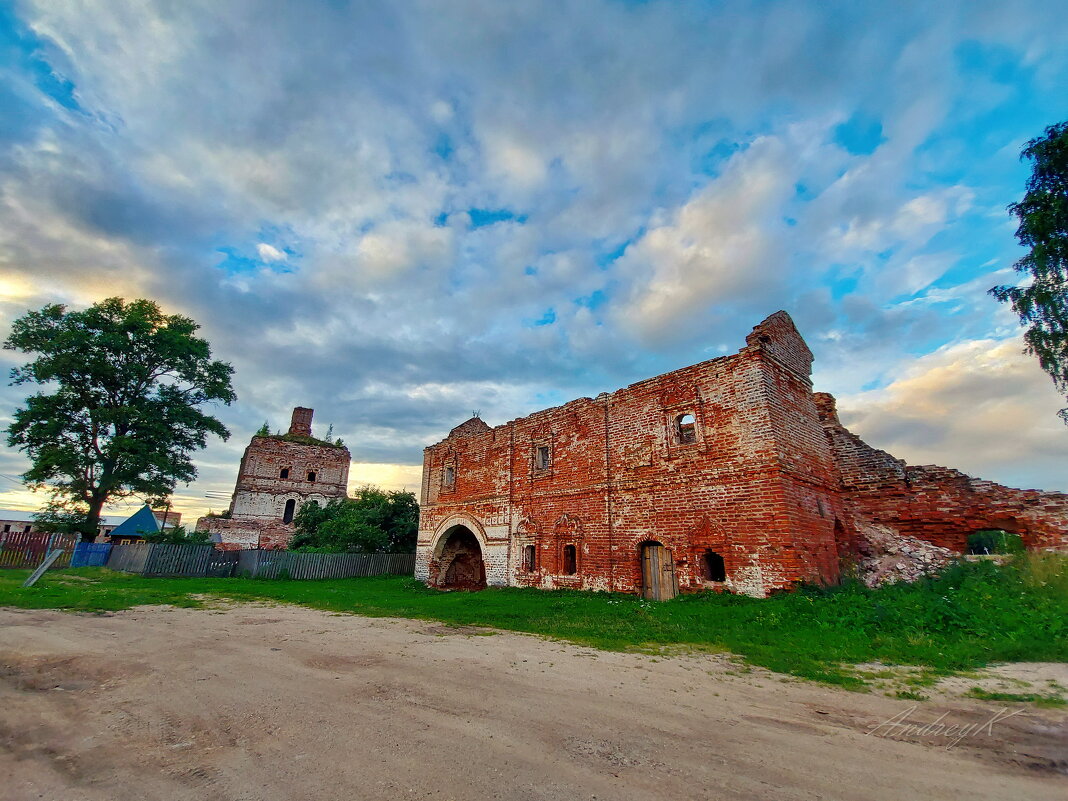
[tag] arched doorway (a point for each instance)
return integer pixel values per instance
(658, 572)
(459, 563)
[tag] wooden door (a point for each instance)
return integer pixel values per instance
(658, 573)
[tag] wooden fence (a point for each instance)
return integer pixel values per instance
(186, 560)
(27, 549)
(281, 564)
(203, 560)
(130, 558)
(19, 549)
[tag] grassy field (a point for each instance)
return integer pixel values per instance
(974, 613)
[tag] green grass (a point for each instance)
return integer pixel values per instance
(974, 613)
(1039, 699)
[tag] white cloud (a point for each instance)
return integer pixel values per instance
(721, 245)
(269, 253)
(981, 406)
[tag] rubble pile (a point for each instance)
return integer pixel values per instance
(888, 557)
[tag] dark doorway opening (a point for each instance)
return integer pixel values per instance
(290, 510)
(712, 566)
(460, 566)
(570, 560)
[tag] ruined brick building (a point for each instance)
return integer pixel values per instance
(278, 474)
(727, 474)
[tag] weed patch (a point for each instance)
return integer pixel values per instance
(1038, 699)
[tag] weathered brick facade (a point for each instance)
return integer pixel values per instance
(278, 474)
(727, 456)
(728, 474)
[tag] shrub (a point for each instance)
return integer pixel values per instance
(373, 521)
(177, 535)
(994, 541)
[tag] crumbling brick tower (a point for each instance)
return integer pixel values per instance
(279, 474)
(717, 475)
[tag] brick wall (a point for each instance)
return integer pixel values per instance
(313, 471)
(937, 504)
(751, 479)
(736, 455)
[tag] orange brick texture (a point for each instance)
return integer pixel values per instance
(736, 456)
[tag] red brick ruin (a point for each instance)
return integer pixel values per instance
(730, 474)
(279, 473)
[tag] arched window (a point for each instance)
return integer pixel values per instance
(284, 473)
(529, 557)
(570, 560)
(290, 510)
(712, 566)
(311, 475)
(685, 429)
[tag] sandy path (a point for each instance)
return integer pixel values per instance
(291, 703)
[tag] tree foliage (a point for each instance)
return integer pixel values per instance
(118, 413)
(373, 521)
(55, 519)
(1042, 304)
(177, 535)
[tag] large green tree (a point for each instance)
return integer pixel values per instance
(1042, 303)
(372, 521)
(119, 409)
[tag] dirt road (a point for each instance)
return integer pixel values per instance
(266, 703)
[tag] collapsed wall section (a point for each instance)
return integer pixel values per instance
(935, 504)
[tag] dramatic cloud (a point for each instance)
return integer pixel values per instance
(981, 406)
(401, 213)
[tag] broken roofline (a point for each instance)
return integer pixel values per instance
(756, 339)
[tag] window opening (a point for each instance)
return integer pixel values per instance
(311, 475)
(685, 429)
(570, 560)
(713, 567)
(290, 510)
(541, 457)
(449, 477)
(284, 473)
(529, 556)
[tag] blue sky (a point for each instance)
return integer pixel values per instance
(401, 212)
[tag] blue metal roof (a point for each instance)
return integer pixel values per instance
(138, 524)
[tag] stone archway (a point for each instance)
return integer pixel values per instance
(457, 562)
